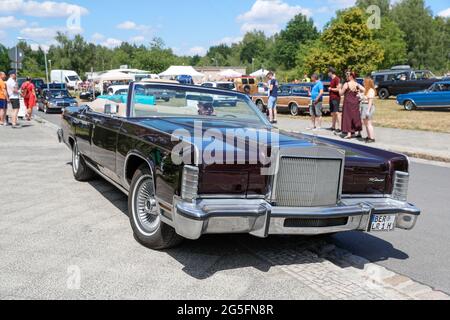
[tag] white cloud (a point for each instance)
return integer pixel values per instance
(47, 9)
(96, 37)
(112, 43)
(131, 25)
(11, 22)
(36, 47)
(269, 16)
(39, 33)
(200, 51)
(445, 13)
(137, 39)
(2, 35)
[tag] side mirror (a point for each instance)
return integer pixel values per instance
(111, 109)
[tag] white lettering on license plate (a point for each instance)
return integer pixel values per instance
(383, 223)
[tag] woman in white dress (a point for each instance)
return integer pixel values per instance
(368, 108)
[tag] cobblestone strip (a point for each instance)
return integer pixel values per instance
(337, 274)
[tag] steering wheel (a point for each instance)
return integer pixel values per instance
(230, 116)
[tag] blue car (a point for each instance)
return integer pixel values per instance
(55, 100)
(438, 95)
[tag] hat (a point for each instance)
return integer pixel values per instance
(12, 72)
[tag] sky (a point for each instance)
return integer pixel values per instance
(189, 27)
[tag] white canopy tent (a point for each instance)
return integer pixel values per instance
(230, 74)
(260, 73)
(112, 76)
(174, 71)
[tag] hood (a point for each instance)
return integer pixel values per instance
(367, 170)
(286, 139)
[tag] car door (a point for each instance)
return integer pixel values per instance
(440, 95)
(105, 131)
(284, 93)
(83, 132)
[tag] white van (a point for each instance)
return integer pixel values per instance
(69, 77)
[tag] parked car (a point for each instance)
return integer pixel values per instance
(185, 79)
(226, 85)
(39, 83)
(352, 187)
(403, 81)
(55, 100)
(118, 90)
(293, 98)
(438, 95)
(221, 99)
(246, 84)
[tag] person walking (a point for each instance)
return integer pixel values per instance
(335, 100)
(29, 96)
(316, 107)
(351, 117)
(14, 99)
(3, 99)
(368, 108)
(273, 97)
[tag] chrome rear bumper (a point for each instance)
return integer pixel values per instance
(259, 218)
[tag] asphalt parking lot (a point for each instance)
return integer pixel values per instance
(62, 239)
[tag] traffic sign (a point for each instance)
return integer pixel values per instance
(16, 56)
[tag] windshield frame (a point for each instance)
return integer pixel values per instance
(195, 89)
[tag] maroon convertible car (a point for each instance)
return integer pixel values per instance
(193, 165)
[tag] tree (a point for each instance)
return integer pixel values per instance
(4, 59)
(346, 43)
(253, 46)
(417, 22)
(384, 5)
(298, 31)
(392, 40)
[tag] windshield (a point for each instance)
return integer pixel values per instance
(60, 94)
(157, 100)
(73, 78)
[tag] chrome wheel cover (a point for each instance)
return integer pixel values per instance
(409, 106)
(294, 110)
(145, 206)
(75, 158)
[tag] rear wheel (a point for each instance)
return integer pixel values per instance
(81, 171)
(409, 105)
(295, 111)
(384, 94)
(145, 221)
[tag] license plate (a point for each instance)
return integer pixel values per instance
(382, 223)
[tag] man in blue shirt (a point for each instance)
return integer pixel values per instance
(316, 103)
(273, 97)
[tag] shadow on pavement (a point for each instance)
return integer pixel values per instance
(368, 246)
(205, 257)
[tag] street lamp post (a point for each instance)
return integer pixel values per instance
(45, 58)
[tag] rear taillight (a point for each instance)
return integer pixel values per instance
(401, 186)
(189, 185)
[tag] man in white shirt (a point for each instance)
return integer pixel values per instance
(13, 94)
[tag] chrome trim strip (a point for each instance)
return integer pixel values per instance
(118, 186)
